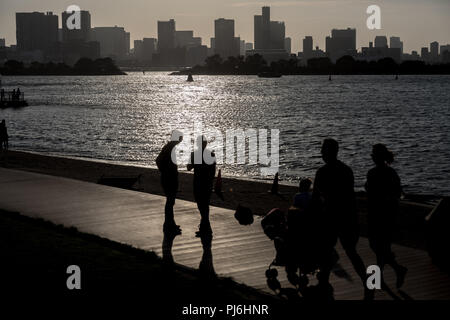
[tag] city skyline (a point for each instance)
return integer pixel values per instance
(322, 16)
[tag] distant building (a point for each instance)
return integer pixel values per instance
(287, 45)
(196, 55)
(114, 41)
(248, 46)
(381, 42)
(307, 48)
(394, 42)
(138, 52)
(166, 35)
(184, 38)
(270, 55)
(342, 42)
(225, 42)
(424, 54)
(434, 51)
(82, 34)
(36, 31)
(2, 42)
(268, 34)
(445, 53)
(372, 53)
(148, 49)
(242, 48)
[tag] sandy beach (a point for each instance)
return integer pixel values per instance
(252, 194)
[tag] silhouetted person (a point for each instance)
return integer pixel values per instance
(4, 135)
(204, 164)
(383, 190)
(166, 162)
(333, 194)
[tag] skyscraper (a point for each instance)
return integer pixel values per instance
(82, 34)
(394, 42)
(36, 31)
(287, 45)
(114, 41)
(268, 34)
(434, 51)
(307, 45)
(166, 35)
(225, 43)
(342, 42)
(381, 42)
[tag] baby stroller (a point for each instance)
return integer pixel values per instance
(297, 244)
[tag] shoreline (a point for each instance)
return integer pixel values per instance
(249, 193)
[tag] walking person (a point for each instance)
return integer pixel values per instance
(167, 165)
(333, 193)
(383, 191)
(4, 135)
(204, 164)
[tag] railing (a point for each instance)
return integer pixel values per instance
(9, 96)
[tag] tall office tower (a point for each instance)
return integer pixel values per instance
(166, 35)
(138, 45)
(287, 45)
(184, 38)
(148, 48)
(381, 42)
(342, 42)
(82, 34)
(424, 54)
(213, 44)
(434, 51)
(114, 41)
(307, 46)
(394, 42)
(266, 28)
(36, 31)
(277, 35)
(225, 43)
(258, 32)
(242, 48)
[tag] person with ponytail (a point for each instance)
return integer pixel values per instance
(383, 191)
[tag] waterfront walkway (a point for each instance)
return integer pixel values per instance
(240, 252)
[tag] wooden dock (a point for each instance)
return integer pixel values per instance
(240, 252)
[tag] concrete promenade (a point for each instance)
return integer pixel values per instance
(240, 252)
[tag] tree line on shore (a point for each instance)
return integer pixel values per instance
(84, 66)
(252, 65)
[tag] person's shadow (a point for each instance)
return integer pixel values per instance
(206, 266)
(167, 247)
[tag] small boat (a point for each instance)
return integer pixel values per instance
(12, 99)
(269, 74)
(190, 78)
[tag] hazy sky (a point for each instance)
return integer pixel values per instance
(417, 22)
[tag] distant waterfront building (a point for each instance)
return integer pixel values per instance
(372, 53)
(2, 42)
(381, 42)
(242, 48)
(288, 45)
(394, 42)
(186, 38)
(82, 34)
(137, 50)
(268, 34)
(225, 41)
(248, 46)
(307, 48)
(424, 54)
(445, 53)
(434, 51)
(114, 41)
(342, 42)
(149, 47)
(36, 31)
(166, 35)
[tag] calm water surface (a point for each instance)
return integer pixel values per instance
(128, 119)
